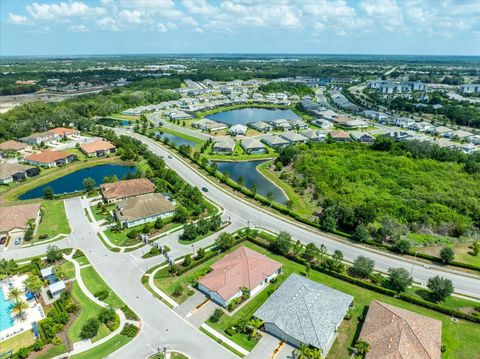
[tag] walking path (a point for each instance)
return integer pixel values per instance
(152, 285)
(224, 339)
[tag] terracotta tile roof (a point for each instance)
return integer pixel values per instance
(63, 131)
(99, 145)
(143, 206)
(398, 333)
(241, 268)
(48, 156)
(339, 134)
(12, 145)
(127, 188)
(17, 216)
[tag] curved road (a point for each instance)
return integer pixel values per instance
(250, 214)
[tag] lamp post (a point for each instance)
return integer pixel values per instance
(413, 263)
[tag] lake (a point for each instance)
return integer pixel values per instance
(246, 115)
(73, 181)
(176, 140)
(248, 170)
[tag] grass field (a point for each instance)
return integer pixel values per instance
(89, 310)
(463, 252)
(98, 215)
(300, 205)
(69, 269)
(120, 238)
(94, 283)
(18, 341)
(53, 352)
(103, 350)
(54, 220)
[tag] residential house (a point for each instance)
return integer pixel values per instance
(469, 88)
(15, 146)
(49, 158)
(208, 125)
(61, 132)
(298, 124)
(458, 134)
(302, 311)
(10, 172)
(440, 130)
(313, 135)
(393, 332)
(253, 146)
(363, 137)
(398, 135)
(225, 145)
(14, 219)
(243, 268)
(293, 137)
(274, 141)
(114, 192)
(322, 123)
(356, 123)
(340, 136)
(282, 124)
(179, 115)
(39, 138)
(238, 129)
(143, 209)
(98, 148)
(261, 126)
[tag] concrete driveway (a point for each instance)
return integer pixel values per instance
(200, 315)
(191, 303)
(265, 347)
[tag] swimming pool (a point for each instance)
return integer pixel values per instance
(6, 319)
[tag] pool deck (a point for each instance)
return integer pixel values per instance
(34, 313)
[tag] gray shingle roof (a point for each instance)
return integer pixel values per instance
(305, 310)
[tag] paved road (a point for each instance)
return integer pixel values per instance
(247, 213)
(122, 272)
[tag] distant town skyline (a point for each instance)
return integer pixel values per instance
(83, 27)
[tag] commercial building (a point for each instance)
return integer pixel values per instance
(243, 268)
(393, 332)
(49, 158)
(114, 192)
(143, 209)
(97, 148)
(302, 311)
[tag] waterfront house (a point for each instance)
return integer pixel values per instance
(208, 125)
(282, 125)
(224, 145)
(114, 192)
(274, 141)
(49, 158)
(253, 146)
(261, 126)
(10, 172)
(293, 137)
(298, 124)
(238, 129)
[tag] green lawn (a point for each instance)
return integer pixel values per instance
(300, 205)
(239, 154)
(461, 339)
(102, 351)
(88, 310)
(54, 220)
(95, 283)
(69, 269)
(18, 341)
(173, 355)
(463, 252)
(98, 215)
(53, 352)
(120, 238)
(198, 140)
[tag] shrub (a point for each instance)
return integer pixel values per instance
(179, 290)
(129, 314)
(23, 353)
(166, 249)
(217, 314)
(107, 315)
(38, 345)
(56, 340)
(101, 294)
(90, 328)
(154, 251)
(129, 330)
(230, 331)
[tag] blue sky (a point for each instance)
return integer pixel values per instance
(66, 27)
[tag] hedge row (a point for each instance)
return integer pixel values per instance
(356, 281)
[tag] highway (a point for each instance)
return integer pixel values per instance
(247, 213)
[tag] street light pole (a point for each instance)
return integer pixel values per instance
(413, 263)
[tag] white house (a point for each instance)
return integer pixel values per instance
(238, 129)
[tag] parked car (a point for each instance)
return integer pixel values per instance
(204, 189)
(17, 241)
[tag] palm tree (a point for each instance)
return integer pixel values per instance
(305, 352)
(362, 346)
(19, 307)
(15, 294)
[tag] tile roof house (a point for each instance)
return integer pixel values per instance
(282, 124)
(10, 172)
(243, 268)
(261, 126)
(98, 148)
(38, 138)
(113, 192)
(64, 132)
(313, 135)
(274, 141)
(293, 137)
(340, 136)
(14, 146)
(393, 332)
(302, 311)
(14, 219)
(363, 137)
(253, 145)
(143, 209)
(237, 130)
(225, 145)
(49, 158)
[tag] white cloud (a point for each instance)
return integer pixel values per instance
(108, 24)
(78, 28)
(131, 16)
(17, 19)
(61, 10)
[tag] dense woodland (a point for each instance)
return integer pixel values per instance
(289, 87)
(356, 184)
